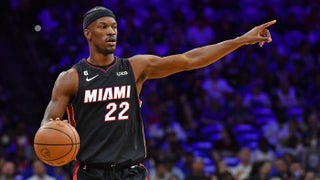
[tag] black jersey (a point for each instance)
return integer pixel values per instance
(106, 114)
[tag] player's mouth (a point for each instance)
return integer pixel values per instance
(111, 41)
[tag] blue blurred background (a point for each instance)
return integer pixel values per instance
(253, 114)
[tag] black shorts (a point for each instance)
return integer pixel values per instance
(87, 172)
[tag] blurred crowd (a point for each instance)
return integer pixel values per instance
(253, 115)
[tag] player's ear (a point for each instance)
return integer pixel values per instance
(87, 33)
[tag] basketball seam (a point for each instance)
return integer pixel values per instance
(59, 131)
(62, 144)
(76, 137)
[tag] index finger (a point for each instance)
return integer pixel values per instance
(265, 25)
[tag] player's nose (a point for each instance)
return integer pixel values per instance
(111, 31)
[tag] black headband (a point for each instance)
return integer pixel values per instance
(96, 13)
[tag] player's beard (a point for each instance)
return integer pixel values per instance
(106, 51)
(109, 51)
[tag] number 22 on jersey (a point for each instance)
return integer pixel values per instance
(112, 107)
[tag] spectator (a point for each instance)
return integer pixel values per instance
(290, 137)
(310, 175)
(197, 172)
(257, 97)
(312, 127)
(205, 33)
(296, 171)
(311, 157)
(263, 152)
(213, 112)
(240, 113)
(173, 170)
(8, 172)
(172, 146)
(261, 171)
(160, 171)
(287, 95)
(165, 126)
(242, 170)
(281, 169)
(185, 113)
(39, 172)
(216, 86)
(221, 171)
(186, 163)
(226, 144)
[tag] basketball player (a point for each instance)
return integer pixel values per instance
(101, 95)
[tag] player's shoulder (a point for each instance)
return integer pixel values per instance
(70, 73)
(68, 80)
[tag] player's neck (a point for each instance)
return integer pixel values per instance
(101, 60)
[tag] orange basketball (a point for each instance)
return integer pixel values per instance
(56, 143)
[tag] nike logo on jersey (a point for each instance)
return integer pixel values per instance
(90, 79)
(122, 73)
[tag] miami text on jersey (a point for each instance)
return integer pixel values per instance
(108, 93)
